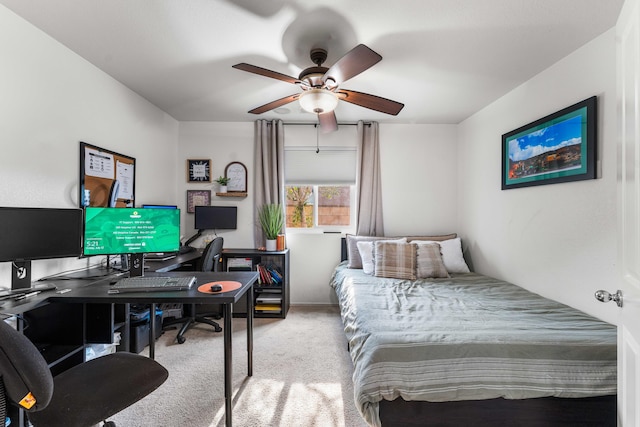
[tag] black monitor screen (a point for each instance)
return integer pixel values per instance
(112, 231)
(39, 233)
(160, 206)
(216, 217)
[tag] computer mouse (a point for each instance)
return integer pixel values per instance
(216, 288)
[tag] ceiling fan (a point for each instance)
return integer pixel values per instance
(320, 86)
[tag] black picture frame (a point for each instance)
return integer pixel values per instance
(560, 147)
(198, 170)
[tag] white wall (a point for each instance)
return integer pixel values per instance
(419, 178)
(557, 240)
(223, 143)
(52, 99)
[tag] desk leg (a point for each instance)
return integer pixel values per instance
(228, 370)
(152, 331)
(250, 331)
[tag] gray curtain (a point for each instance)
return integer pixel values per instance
(368, 181)
(269, 169)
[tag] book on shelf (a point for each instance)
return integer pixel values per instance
(268, 299)
(268, 308)
(269, 275)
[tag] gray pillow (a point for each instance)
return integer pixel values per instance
(395, 260)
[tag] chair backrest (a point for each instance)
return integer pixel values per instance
(211, 255)
(27, 379)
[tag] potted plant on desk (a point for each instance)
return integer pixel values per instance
(222, 182)
(271, 220)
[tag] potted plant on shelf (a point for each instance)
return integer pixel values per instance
(222, 182)
(271, 220)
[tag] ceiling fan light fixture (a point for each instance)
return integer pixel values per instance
(318, 101)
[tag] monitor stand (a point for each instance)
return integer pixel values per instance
(20, 274)
(136, 265)
(124, 262)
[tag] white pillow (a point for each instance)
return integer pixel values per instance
(366, 254)
(366, 250)
(451, 254)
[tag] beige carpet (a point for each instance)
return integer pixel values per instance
(301, 376)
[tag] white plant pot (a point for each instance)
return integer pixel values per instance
(271, 245)
(223, 189)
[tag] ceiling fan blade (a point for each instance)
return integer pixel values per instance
(275, 104)
(351, 64)
(372, 102)
(328, 122)
(268, 73)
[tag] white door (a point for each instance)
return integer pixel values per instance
(628, 53)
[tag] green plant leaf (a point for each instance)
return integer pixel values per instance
(271, 220)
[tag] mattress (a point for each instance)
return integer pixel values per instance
(468, 337)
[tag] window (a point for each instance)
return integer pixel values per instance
(320, 176)
(325, 206)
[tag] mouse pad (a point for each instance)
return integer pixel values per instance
(227, 286)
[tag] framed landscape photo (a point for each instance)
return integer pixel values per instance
(560, 147)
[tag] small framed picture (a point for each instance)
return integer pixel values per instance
(237, 174)
(197, 198)
(198, 170)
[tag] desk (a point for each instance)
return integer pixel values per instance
(96, 292)
(180, 260)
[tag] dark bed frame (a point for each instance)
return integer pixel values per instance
(541, 412)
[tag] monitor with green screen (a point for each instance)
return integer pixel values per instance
(111, 231)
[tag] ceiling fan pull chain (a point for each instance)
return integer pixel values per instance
(317, 136)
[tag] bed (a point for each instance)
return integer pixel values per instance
(466, 349)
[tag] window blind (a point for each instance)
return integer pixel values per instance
(312, 158)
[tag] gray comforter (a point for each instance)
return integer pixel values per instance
(467, 337)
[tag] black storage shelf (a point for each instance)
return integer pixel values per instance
(278, 294)
(55, 354)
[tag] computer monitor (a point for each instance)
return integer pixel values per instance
(28, 234)
(216, 217)
(160, 206)
(117, 231)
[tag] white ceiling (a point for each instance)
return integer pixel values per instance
(444, 59)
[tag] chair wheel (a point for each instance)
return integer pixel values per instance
(109, 424)
(181, 340)
(218, 329)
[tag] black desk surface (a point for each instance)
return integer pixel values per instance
(97, 292)
(91, 286)
(173, 263)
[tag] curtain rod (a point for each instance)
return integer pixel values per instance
(316, 124)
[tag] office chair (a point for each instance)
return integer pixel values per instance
(208, 262)
(81, 396)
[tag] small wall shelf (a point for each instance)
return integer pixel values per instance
(233, 194)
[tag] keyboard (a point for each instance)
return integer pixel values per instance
(152, 284)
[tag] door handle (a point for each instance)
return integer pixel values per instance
(604, 296)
